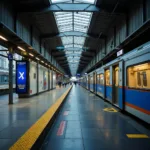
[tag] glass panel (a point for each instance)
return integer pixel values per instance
(101, 79)
(98, 79)
(138, 79)
(107, 77)
(144, 78)
(73, 21)
(75, 1)
(139, 76)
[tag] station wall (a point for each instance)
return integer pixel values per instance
(46, 79)
(54, 79)
(43, 78)
(33, 78)
(25, 28)
(122, 27)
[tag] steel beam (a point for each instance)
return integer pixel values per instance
(71, 33)
(61, 57)
(73, 49)
(10, 78)
(86, 58)
(83, 62)
(66, 7)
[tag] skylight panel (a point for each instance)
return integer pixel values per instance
(75, 1)
(80, 30)
(85, 1)
(79, 40)
(80, 21)
(77, 45)
(69, 45)
(61, 1)
(73, 21)
(65, 18)
(67, 40)
(64, 29)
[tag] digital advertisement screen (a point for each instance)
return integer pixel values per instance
(21, 77)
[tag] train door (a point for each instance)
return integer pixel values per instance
(94, 82)
(88, 82)
(91, 83)
(97, 82)
(116, 84)
(108, 85)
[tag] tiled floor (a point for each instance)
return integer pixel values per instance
(88, 127)
(16, 119)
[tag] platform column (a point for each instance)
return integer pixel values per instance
(37, 78)
(48, 79)
(10, 77)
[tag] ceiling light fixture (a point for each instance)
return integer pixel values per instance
(3, 38)
(21, 48)
(37, 58)
(31, 54)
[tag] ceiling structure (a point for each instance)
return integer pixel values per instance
(73, 36)
(73, 22)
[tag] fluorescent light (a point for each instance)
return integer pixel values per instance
(42, 61)
(37, 58)
(1, 37)
(30, 47)
(31, 54)
(21, 48)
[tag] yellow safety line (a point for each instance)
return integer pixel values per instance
(26, 141)
(137, 136)
(110, 110)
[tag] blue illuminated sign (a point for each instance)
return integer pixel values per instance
(10, 56)
(21, 77)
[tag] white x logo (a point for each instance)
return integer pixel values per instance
(21, 75)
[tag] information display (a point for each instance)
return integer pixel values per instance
(119, 53)
(21, 77)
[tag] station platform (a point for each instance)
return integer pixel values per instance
(86, 122)
(17, 119)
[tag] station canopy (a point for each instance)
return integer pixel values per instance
(73, 22)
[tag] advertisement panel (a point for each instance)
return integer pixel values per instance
(21, 77)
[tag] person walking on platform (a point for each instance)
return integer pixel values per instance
(59, 83)
(75, 82)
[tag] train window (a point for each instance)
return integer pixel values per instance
(101, 79)
(91, 80)
(138, 79)
(107, 77)
(144, 79)
(139, 76)
(98, 79)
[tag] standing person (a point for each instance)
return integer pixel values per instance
(59, 83)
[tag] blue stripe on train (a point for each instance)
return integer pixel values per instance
(91, 87)
(138, 98)
(109, 93)
(120, 103)
(100, 88)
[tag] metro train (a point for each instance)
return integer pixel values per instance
(124, 82)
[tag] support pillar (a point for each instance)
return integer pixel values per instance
(37, 80)
(10, 77)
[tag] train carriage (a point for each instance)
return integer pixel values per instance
(113, 75)
(100, 82)
(137, 83)
(125, 82)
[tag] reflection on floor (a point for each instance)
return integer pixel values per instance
(16, 119)
(86, 122)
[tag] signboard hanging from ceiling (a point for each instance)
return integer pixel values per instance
(119, 53)
(21, 77)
